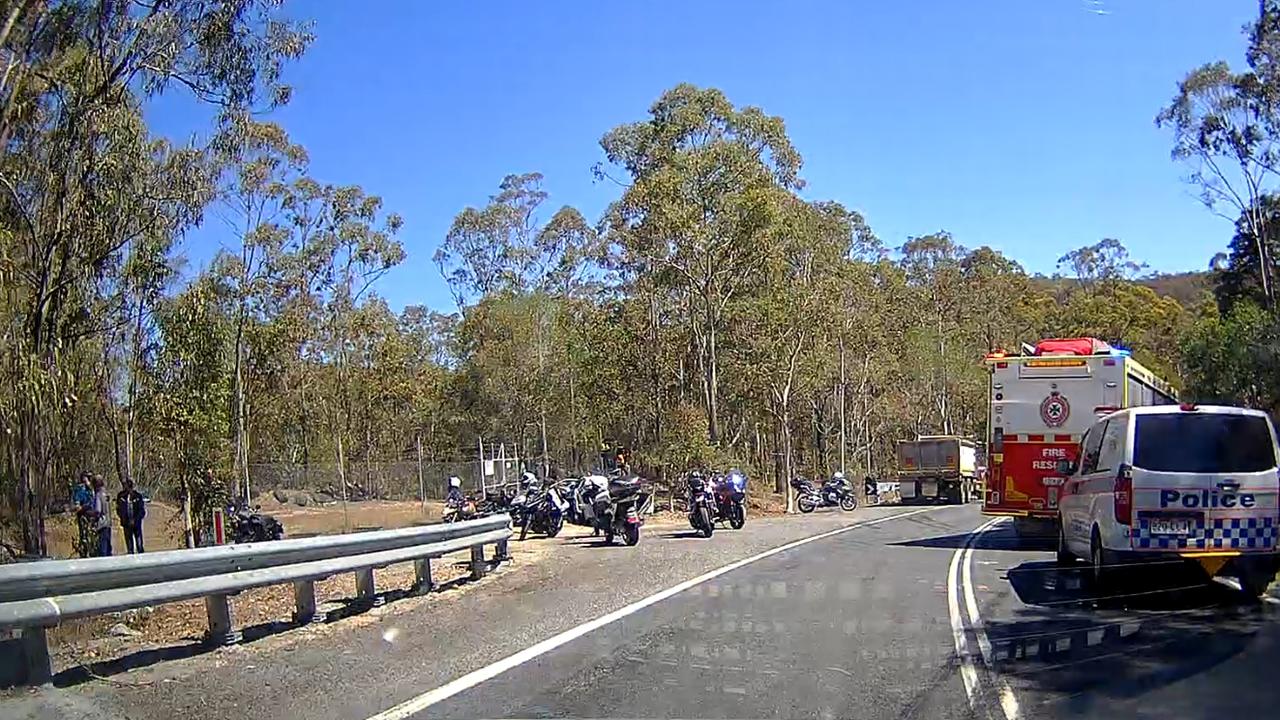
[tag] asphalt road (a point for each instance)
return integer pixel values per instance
(888, 613)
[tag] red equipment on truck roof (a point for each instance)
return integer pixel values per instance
(1072, 346)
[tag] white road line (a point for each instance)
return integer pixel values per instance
(971, 603)
(431, 697)
(968, 673)
(1008, 701)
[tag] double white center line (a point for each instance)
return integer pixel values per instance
(960, 585)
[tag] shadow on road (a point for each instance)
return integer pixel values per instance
(1151, 630)
(1001, 538)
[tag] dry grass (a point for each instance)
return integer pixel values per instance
(87, 640)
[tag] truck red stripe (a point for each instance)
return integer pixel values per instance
(1035, 438)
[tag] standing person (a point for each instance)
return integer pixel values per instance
(101, 517)
(131, 508)
(82, 498)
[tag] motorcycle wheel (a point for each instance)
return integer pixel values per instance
(848, 502)
(806, 504)
(708, 527)
(557, 524)
(608, 537)
(631, 535)
(737, 517)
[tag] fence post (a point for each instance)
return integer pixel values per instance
(422, 485)
(366, 594)
(422, 582)
(222, 631)
(304, 602)
(477, 562)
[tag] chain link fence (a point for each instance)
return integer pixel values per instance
(387, 480)
(384, 480)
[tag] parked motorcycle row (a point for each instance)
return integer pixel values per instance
(613, 505)
(836, 492)
(608, 504)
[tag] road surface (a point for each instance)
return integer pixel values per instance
(881, 613)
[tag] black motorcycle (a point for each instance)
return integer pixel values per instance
(834, 492)
(542, 512)
(247, 525)
(612, 506)
(703, 511)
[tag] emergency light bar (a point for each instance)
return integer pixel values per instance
(1054, 362)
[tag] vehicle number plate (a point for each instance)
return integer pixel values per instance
(1170, 526)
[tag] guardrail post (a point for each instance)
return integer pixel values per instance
(221, 629)
(500, 552)
(366, 594)
(32, 665)
(304, 602)
(477, 562)
(422, 582)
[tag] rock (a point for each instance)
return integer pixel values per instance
(281, 495)
(322, 497)
(301, 499)
(122, 630)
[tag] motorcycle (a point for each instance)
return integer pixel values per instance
(703, 511)
(834, 492)
(465, 510)
(543, 512)
(731, 497)
(245, 525)
(573, 512)
(612, 506)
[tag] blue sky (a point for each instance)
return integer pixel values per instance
(1026, 125)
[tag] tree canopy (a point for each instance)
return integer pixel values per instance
(713, 314)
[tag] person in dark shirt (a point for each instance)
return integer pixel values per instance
(131, 508)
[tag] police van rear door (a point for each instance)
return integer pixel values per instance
(1204, 479)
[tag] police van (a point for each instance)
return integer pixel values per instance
(1175, 481)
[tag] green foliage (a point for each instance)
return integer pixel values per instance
(1235, 358)
(712, 316)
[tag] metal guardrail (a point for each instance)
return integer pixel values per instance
(35, 596)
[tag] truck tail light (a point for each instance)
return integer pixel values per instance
(997, 440)
(1122, 495)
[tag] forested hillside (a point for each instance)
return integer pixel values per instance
(716, 313)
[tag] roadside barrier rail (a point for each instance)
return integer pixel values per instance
(39, 595)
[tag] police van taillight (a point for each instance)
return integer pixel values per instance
(1122, 495)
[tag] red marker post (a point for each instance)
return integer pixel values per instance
(219, 528)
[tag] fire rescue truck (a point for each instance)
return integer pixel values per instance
(1041, 401)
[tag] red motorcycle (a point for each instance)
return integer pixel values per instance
(731, 498)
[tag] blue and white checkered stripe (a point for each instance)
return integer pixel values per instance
(1251, 533)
